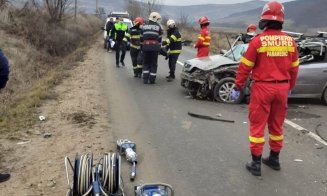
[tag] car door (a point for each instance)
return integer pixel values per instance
(311, 80)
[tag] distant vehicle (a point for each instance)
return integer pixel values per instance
(119, 14)
(213, 77)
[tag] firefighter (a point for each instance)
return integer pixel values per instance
(151, 35)
(250, 33)
(204, 38)
(174, 44)
(118, 36)
(272, 57)
(134, 37)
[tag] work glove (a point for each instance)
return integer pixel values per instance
(235, 94)
(163, 43)
(167, 57)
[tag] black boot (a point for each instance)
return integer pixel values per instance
(122, 63)
(4, 177)
(117, 64)
(272, 161)
(254, 166)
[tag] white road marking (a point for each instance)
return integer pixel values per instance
(307, 132)
(180, 63)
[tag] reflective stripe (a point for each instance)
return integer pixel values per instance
(276, 138)
(136, 47)
(135, 67)
(150, 32)
(146, 72)
(125, 40)
(296, 63)
(257, 139)
(201, 38)
(136, 37)
(128, 35)
(168, 41)
(153, 74)
(275, 49)
(206, 43)
(247, 62)
(175, 51)
(139, 66)
(173, 37)
(207, 37)
(179, 40)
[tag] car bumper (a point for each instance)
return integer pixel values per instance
(187, 78)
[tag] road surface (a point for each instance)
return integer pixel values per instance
(201, 157)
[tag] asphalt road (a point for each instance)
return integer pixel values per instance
(202, 157)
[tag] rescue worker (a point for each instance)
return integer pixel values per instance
(109, 27)
(118, 36)
(272, 57)
(134, 37)
(4, 76)
(174, 45)
(152, 36)
(250, 33)
(204, 38)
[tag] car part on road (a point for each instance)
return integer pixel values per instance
(125, 146)
(154, 189)
(103, 179)
(209, 117)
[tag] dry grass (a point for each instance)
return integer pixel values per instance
(39, 53)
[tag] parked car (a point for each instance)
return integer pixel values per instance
(213, 77)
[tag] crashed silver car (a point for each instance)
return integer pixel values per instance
(213, 77)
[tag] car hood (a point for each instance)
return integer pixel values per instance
(208, 63)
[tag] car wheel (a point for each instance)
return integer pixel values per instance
(223, 91)
(324, 96)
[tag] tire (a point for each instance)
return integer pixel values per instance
(324, 96)
(223, 91)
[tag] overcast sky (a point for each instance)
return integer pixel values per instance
(196, 2)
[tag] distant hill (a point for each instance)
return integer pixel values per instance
(300, 14)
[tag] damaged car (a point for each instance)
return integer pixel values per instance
(213, 77)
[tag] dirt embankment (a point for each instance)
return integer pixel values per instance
(76, 121)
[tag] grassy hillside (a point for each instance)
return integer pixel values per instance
(39, 52)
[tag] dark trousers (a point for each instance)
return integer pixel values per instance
(150, 65)
(137, 61)
(172, 63)
(120, 46)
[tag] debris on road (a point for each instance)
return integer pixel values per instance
(47, 135)
(219, 115)
(318, 132)
(298, 160)
(24, 142)
(209, 117)
(245, 122)
(42, 118)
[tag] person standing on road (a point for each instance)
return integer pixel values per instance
(204, 38)
(118, 36)
(273, 59)
(250, 33)
(109, 27)
(134, 37)
(174, 44)
(151, 35)
(4, 76)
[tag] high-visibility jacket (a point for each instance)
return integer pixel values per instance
(173, 41)
(271, 56)
(203, 42)
(134, 37)
(118, 31)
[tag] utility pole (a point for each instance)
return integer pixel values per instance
(96, 6)
(75, 8)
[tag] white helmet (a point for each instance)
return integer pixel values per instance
(155, 16)
(171, 23)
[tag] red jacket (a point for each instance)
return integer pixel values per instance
(203, 42)
(270, 56)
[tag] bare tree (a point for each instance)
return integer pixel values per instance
(56, 8)
(183, 21)
(101, 12)
(151, 6)
(3, 4)
(134, 8)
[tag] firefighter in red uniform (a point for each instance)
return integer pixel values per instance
(204, 38)
(273, 59)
